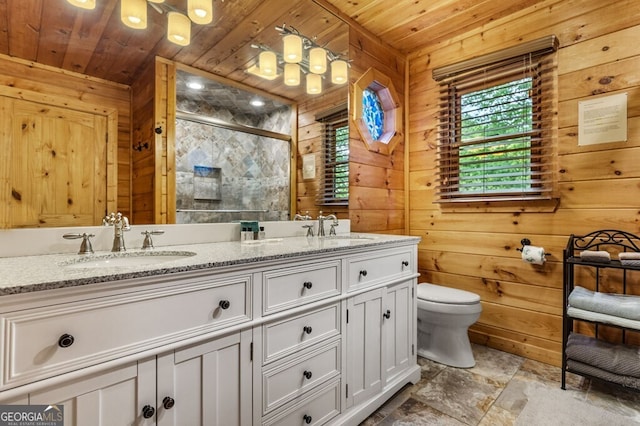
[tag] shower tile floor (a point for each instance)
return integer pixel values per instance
(490, 394)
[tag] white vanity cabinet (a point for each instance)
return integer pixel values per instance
(399, 326)
(299, 369)
(206, 383)
(68, 333)
(379, 339)
(321, 339)
(109, 398)
(380, 331)
(364, 337)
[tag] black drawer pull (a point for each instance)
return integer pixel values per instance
(307, 285)
(224, 304)
(168, 402)
(405, 263)
(307, 329)
(363, 273)
(148, 411)
(387, 314)
(307, 419)
(65, 340)
(307, 374)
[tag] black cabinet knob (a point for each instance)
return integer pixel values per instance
(307, 419)
(387, 314)
(148, 411)
(363, 273)
(307, 329)
(307, 285)
(307, 374)
(405, 263)
(168, 402)
(224, 304)
(65, 340)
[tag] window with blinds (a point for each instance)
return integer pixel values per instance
(495, 130)
(334, 186)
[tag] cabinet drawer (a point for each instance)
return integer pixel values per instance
(299, 374)
(290, 287)
(316, 408)
(44, 342)
(378, 267)
(284, 337)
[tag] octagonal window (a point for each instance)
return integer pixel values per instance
(372, 113)
(377, 114)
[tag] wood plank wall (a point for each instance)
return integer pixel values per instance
(79, 89)
(376, 181)
(310, 142)
(143, 147)
(153, 187)
(599, 185)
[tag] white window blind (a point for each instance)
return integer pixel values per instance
(334, 185)
(495, 129)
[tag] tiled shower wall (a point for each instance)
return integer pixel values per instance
(251, 179)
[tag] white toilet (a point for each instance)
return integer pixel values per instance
(444, 316)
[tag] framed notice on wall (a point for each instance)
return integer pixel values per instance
(602, 120)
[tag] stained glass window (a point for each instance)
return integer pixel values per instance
(372, 113)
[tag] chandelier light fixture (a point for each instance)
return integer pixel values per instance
(133, 14)
(300, 55)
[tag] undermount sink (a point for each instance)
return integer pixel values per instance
(265, 241)
(350, 237)
(126, 259)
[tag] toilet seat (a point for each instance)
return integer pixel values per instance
(446, 295)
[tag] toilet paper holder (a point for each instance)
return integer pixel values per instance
(527, 242)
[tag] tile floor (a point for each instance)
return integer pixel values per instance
(493, 393)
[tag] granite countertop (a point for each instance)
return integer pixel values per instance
(34, 273)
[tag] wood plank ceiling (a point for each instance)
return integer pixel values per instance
(96, 43)
(408, 25)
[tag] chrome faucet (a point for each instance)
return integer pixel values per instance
(298, 216)
(120, 224)
(147, 244)
(321, 220)
(85, 247)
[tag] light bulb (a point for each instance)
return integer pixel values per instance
(268, 63)
(178, 29)
(318, 60)
(291, 74)
(195, 85)
(292, 48)
(314, 84)
(133, 13)
(200, 11)
(338, 71)
(84, 4)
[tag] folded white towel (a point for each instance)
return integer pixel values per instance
(604, 318)
(595, 256)
(630, 255)
(619, 305)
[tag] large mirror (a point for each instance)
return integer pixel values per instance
(96, 45)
